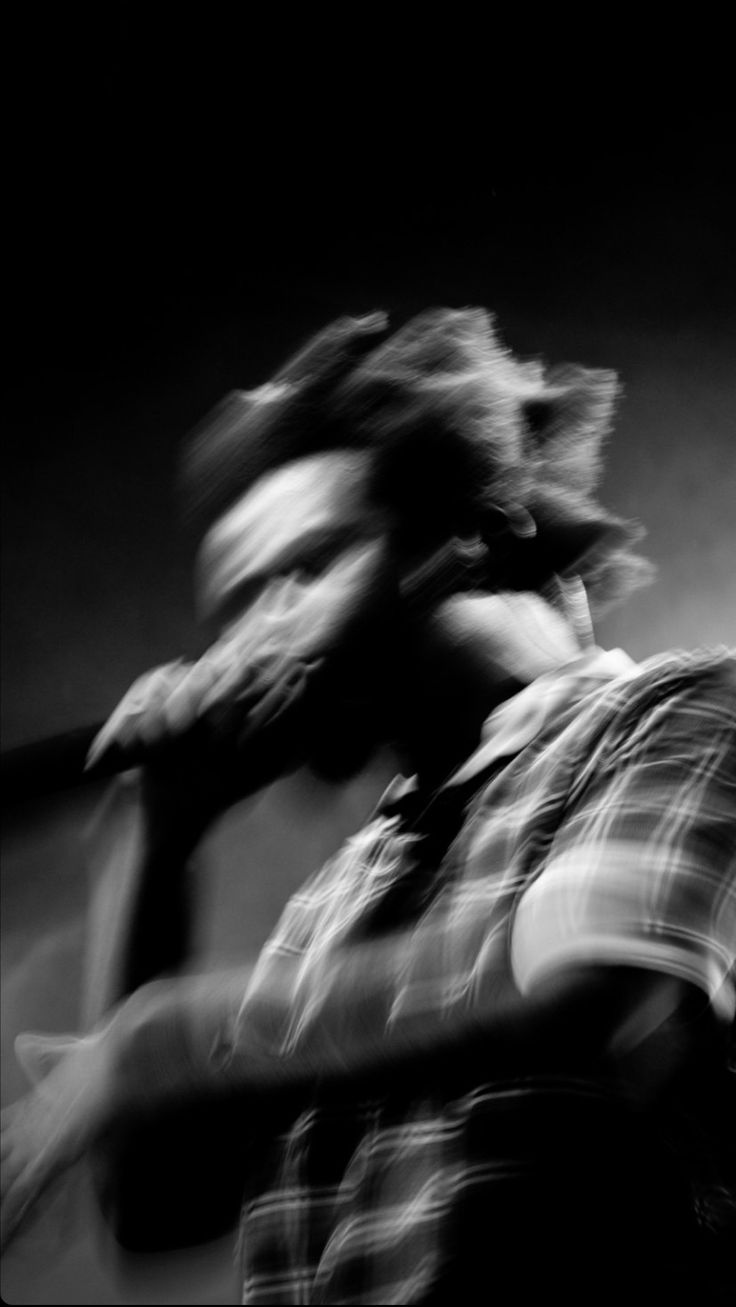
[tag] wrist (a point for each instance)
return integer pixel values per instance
(174, 1039)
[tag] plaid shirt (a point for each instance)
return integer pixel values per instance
(596, 822)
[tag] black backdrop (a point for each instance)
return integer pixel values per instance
(185, 204)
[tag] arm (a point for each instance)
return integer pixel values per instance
(173, 1178)
(187, 730)
(177, 1179)
(192, 1040)
(141, 902)
(357, 1016)
(172, 1181)
(200, 1036)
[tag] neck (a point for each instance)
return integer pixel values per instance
(467, 658)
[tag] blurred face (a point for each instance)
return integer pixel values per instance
(333, 645)
(301, 524)
(298, 571)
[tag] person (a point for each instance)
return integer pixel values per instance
(486, 1048)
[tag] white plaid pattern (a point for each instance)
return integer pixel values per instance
(602, 826)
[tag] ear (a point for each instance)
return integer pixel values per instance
(39, 1054)
(571, 528)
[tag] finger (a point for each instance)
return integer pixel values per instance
(39, 1054)
(137, 717)
(276, 699)
(232, 684)
(115, 731)
(167, 686)
(186, 699)
(100, 744)
(147, 720)
(28, 1172)
(233, 672)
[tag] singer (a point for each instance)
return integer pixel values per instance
(487, 1044)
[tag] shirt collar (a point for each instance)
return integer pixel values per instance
(519, 719)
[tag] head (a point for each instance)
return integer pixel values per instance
(411, 516)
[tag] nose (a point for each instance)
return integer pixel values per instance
(286, 518)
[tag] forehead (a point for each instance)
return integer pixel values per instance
(284, 520)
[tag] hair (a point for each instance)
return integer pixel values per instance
(474, 452)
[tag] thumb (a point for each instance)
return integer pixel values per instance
(39, 1054)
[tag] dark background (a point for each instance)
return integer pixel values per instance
(186, 204)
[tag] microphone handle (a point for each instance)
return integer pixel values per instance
(56, 763)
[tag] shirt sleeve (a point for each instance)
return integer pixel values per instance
(642, 872)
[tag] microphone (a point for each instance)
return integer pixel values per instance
(46, 766)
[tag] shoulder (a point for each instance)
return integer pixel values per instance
(690, 694)
(706, 673)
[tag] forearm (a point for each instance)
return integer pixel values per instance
(202, 1036)
(140, 912)
(197, 1040)
(213, 1035)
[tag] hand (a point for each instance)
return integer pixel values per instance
(166, 722)
(48, 1130)
(219, 691)
(207, 734)
(252, 673)
(229, 691)
(158, 705)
